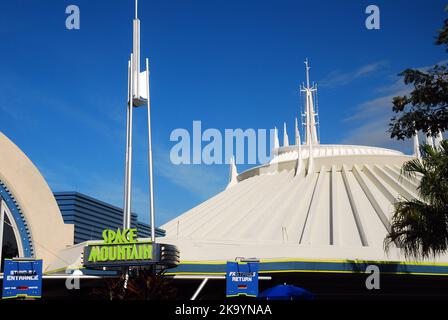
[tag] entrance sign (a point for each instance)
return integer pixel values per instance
(121, 248)
(242, 279)
(22, 279)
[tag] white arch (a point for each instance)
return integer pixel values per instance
(49, 234)
(7, 214)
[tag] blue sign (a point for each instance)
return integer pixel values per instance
(22, 278)
(242, 279)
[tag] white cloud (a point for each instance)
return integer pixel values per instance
(374, 117)
(25, 107)
(200, 180)
(376, 107)
(374, 133)
(337, 78)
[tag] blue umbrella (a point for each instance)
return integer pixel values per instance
(286, 292)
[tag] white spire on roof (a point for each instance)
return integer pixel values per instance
(233, 174)
(276, 141)
(310, 114)
(310, 168)
(299, 151)
(296, 132)
(416, 146)
(429, 139)
(285, 136)
(438, 139)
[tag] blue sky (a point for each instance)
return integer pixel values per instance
(230, 64)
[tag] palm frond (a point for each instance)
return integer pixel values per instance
(419, 227)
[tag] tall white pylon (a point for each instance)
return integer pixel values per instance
(285, 136)
(310, 114)
(416, 145)
(233, 174)
(138, 95)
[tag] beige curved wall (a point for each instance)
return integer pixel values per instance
(49, 234)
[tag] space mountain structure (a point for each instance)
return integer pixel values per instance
(313, 208)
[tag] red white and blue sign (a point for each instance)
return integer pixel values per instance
(242, 279)
(22, 279)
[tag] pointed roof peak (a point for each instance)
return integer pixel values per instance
(285, 136)
(276, 141)
(233, 174)
(297, 132)
(416, 145)
(307, 68)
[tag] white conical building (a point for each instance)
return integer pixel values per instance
(339, 208)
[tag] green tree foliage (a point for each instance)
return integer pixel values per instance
(420, 226)
(426, 107)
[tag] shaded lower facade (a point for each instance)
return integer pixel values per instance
(325, 286)
(335, 286)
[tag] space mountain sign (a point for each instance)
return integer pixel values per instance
(121, 248)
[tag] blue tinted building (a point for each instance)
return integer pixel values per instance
(91, 216)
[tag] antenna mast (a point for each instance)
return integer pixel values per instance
(310, 114)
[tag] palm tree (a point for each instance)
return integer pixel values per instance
(419, 227)
(141, 285)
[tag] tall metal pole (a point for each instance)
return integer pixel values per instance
(128, 169)
(131, 110)
(136, 53)
(128, 175)
(125, 202)
(151, 180)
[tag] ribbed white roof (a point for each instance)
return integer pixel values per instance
(339, 210)
(326, 150)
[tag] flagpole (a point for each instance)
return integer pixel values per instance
(151, 180)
